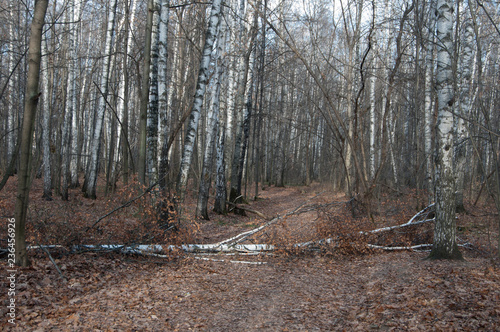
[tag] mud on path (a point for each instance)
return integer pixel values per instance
(377, 291)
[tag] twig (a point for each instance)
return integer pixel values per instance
(122, 206)
(231, 261)
(53, 262)
(239, 206)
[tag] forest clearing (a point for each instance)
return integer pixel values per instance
(346, 288)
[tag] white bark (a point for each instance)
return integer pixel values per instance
(463, 109)
(163, 94)
(190, 137)
(428, 112)
(11, 112)
(75, 32)
(392, 133)
(152, 118)
(372, 126)
(211, 130)
(92, 168)
(445, 245)
(123, 98)
(70, 111)
(174, 88)
(47, 178)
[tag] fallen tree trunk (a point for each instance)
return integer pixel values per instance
(242, 236)
(390, 228)
(191, 248)
(232, 245)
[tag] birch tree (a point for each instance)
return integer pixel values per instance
(11, 113)
(75, 32)
(69, 126)
(220, 182)
(32, 96)
(462, 111)
(245, 66)
(445, 245)
(428, 101)
(163, 94)
(123, 95)
(190, 137)
(142, 167)
(152, 118)
(211, 130)
(46, 112)
(89, 186)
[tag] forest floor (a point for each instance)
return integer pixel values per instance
(334, 288)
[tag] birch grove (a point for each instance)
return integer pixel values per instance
(215, 102)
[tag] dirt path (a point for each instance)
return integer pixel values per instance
(377, 291)
(272, 202)
(397, 291)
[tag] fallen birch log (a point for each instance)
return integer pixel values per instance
(232, 245)
(390, 228)
(426, 211)
(242, 236)
(415, 247)
(191, 248)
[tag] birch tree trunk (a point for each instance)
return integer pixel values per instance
(123, 98)
(141, 167)
(463, 111)
(248, 110)
(89, 186)
(372, 126)
(429, 111)
(258, 117)
(163, 94)
(31, 100)
(70, 115)
(220, 182)
(47, 179)
(211, 132)
(73, 163)
(11, 112)
(241, 110)
(190, 137)
(152, 118)
(445, 245)
(174, 89)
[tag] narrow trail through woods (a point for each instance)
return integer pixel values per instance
(272, 202)
(292, 291)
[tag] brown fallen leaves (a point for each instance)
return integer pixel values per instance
(398, 291)
(388, 291)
